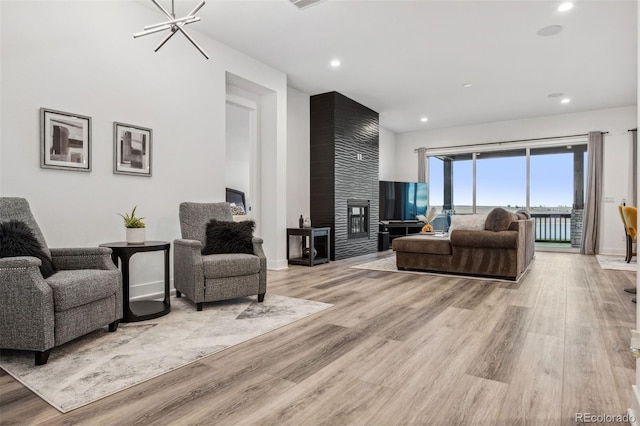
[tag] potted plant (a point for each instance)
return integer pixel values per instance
(135, 227)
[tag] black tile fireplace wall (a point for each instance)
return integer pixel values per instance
(344, 165)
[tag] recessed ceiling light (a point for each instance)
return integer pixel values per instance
(565, 101)
(565, 6)
(555, 95)
(335, 63)
(549, 31)
(467, 85)
(424, 119)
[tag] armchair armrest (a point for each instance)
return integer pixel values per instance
(188, 270)
(82, 258)
(26, 317)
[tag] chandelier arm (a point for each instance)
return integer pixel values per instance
(198, 7)
(175, 21)
(171, 18)
(192, 41)
(153, 31)
(166, 39)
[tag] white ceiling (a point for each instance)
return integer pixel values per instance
(408, 59)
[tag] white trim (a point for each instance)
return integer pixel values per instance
(277, 265)
(503, 146)
(612, 251)
(634, 410)
(150, 290)
(240, 101)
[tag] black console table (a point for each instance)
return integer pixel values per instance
(142, 309)
(400, 229)
(311, 233)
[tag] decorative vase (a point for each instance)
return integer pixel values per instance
(305, 253)
(135, 235)
(306, 223)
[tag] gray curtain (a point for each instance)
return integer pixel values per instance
(422, 164)
(593, 200)
(634, 168)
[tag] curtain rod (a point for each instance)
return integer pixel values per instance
(503, 142)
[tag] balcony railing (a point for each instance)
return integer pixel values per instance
(552, 227)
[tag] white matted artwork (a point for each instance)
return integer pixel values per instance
(132, 149)
(65, 141)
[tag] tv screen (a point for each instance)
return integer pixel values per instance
(402, 200)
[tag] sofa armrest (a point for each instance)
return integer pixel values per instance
(27, 316)
(258, 251)
(82, 258)
(188, 269)
(485, 239)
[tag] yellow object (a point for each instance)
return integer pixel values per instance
(630, 215)
(427, 228)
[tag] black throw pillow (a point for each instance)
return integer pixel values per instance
(17, 239)
(229, 237)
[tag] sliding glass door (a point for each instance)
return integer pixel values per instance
(548, 179)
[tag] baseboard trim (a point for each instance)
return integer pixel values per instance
(634, 410)
(277, 265)
(612, 252)
(151, 290)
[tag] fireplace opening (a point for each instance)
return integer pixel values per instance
(357, 219)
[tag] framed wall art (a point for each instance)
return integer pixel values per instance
(65, 140)
(132, 149)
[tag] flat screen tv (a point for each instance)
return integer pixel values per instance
(402, 201)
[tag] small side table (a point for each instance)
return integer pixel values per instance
(312, 233)
(142, 309)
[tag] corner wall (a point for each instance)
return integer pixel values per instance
(95, 67)
(617, 151)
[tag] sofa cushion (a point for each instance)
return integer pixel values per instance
(230, 265)
(79, 287)
(422, 244)
(485, 239)
(17, 239)
(468, 222)
(499, 219)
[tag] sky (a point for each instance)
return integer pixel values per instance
(502, 181)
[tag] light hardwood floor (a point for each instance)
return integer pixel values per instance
(400, 349)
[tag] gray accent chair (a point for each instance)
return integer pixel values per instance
(217, 276)
(37, 314)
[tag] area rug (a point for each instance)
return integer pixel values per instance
(101, 363)
(617, 262)
(388, 264)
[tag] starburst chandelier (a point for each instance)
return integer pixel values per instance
(173, 25)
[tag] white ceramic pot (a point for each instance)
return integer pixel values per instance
(135, 235)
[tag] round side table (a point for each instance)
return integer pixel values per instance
(142, 309)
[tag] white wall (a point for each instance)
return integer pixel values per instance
(298, 160)
(387, 155)
(82, 58)
(617, 149)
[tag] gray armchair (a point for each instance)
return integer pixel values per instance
(216, 276)
(38, 314)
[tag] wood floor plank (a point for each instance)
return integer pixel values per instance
(399, 349)
(535, 393)
(587, 373)
(498, 358)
